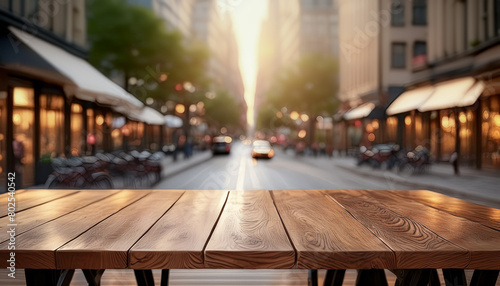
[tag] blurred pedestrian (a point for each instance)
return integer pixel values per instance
(454, 162)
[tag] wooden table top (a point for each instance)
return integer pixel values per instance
(306, 229)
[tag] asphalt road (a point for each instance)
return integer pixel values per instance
(238, 171)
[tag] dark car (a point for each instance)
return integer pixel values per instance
(221, 145)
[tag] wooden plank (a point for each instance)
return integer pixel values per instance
(106, 245)
(482, 242)
(178, 239)
(26, 199)
(249, 235)
(326, 236)
(36, 248)
(414, 244)
(482, 214)
(45, 212)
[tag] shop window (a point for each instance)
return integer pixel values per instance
(392, 129)
(51, 126)
(117, 133)
(91, 134)
(23, 119)
(77, 130)
(491, 132)
(3, 143)
(448, 134)
(409, 142)
(467, 123)
(422, 129)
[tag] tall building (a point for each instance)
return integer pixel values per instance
(52, 102)
(175, 13)
(381, 44)
(458, 87)
(279, 43)
(212, 26)
(319, 27)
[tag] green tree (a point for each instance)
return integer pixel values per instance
(223, 110)
(308, 86)
(132, 41)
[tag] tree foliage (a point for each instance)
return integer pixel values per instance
(132, 41)
(309, 86)
(224, 110)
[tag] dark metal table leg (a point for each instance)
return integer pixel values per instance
(144, 277)
(434, 278)
(334, 277)
(313, 278)
(371, 277)
(93, 276)
(454, 277)
(164, 277)
(66, 277)
(41, 277)
(484, 278)
(412, 277)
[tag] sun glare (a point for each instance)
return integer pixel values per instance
(247, 17)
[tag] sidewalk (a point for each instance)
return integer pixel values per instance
(472, 184)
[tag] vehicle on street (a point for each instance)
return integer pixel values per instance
(262, 149)
(221, 145)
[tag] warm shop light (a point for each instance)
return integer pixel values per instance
(180, 108)
(408, 120)
(462, 117)
(302, 134)
(375, 124)
(496, 120)
(371, 137)
(99, 120)
(294, 115)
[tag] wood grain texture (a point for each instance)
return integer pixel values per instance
(326, 236)
(26, 199)
(53, 209)
(249, 235)
(36, 248)
(483, 243)
(178, 239)
(106, 245)
(414, 245)
(485, 215)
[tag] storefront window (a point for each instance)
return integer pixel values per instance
(91, 136)
(153, 137)
(491, 132)
(99, 131)
(449, 136)
(23, 118)
(467, 143)
(51, 126)
(392, 129)
(117, 132)
(409, 136)
(77, 130)
(3, 145)
(422, 129)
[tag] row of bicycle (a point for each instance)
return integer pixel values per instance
(392, 157)
(135, 169)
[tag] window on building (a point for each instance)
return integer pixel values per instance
(420, 12)
(4, 4)
(398, 55)
(419, 54)
(397, 13)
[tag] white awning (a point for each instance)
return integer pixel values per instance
(452, 93)
(146, 114)
(472, 95)
(358, 112)
(173, 121)
(88, 83)
(410, 100)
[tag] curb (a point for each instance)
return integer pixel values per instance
(443, 190)
(185, 167)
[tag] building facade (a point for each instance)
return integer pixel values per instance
(319, 27)
(279, 44)
(432, 67)
(52, 102)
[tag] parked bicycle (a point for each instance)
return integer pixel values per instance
(80, 173)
